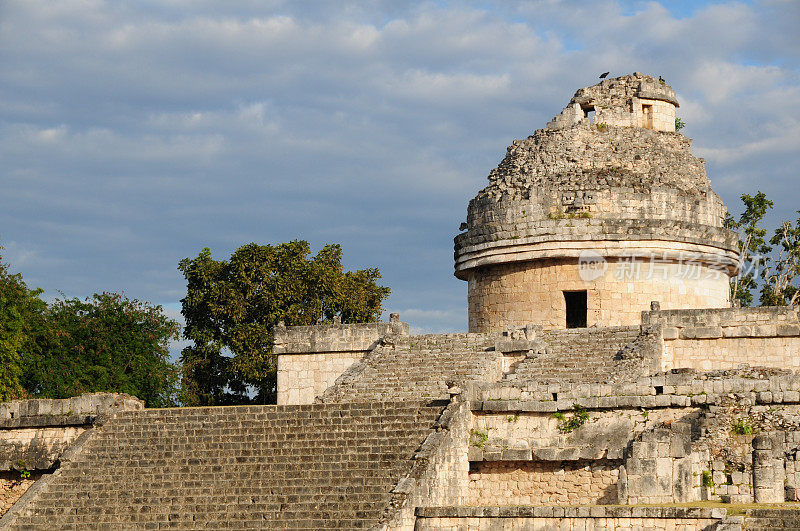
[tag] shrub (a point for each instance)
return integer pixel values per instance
(742, 427)
(568, 424)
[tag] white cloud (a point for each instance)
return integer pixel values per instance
(134, 134)
(52, 134)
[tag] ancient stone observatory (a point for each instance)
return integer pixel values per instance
(587, 221)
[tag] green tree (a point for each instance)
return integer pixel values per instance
(753, 246)
(232, 305)
(20, 311)
(782, 270)
(107, 343)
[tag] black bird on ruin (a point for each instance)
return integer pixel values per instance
(661, 79)
(604, 74)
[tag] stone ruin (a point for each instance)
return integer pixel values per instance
(618, 192)
(605, 381)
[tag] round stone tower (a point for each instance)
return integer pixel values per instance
(587, 221)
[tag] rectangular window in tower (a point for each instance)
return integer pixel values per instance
(647, 116)
(588, 112)
(577, 308)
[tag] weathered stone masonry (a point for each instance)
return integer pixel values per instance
(34, 434)
(729, 337)
(605, 382)
(312, 357)
(622, 190)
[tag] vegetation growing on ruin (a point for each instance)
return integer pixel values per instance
(742, 427)
(231, 307)
(478, 438)
(573, 421)
(559, 214)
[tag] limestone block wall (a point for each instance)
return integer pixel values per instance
(683, 436)
(769, 471)
(712, 339)
(758, 467)
(725, 457)
(303, 377)
(538, 212)
(35, 433)
(528, 435)
(661, 116)
(660, 468)
(572, 518)
(543, 482)
(730, 484)
(519, 293)
(792, 465)
(90, 404)
(336, 337)
(528, 458)
(618, 101)
(311, 358)
(37, 448)
(441, 469)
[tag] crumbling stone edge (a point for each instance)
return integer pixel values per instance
(423, 458)
(349, 375)
(69, 455)
(385, 343)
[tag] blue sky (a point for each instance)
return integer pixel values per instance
(133, 134)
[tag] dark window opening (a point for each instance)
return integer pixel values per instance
(588, 112)
(555, 397)
(577, 308)
(659, 390)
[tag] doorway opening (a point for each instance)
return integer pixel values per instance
(588, 112)
(577, 308)
(647, 116)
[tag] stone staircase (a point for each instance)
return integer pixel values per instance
(584, 355)
(769, 518)
(300, 467)
(418, 367)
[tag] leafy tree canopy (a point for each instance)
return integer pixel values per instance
(770, 265)
(106, 343)
(753, 246)
(20, 311)
(231, 306)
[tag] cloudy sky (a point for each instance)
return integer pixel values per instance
(133, 134)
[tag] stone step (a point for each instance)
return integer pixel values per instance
(771, 518)
(581, 355)
(258, 466)
(418, 367)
